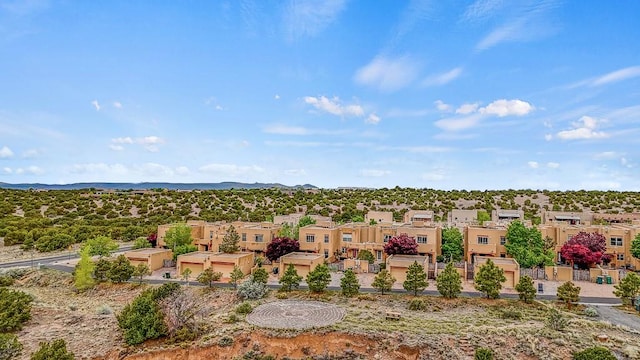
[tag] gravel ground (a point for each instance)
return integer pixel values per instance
(618, 317)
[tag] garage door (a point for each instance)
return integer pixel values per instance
(302, 270)
(225, 269)
(196, 269)
(509, 283)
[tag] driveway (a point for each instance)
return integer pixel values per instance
(618, 317)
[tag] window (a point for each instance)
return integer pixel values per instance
(421, 239)
(326, 253)
(620, 257)
(616, 241)
(387, 237)
(379, 254)
(211, 234)
(483, 240)
(503, 255)
(326, 239)
(569, 237)
(347, 237)
(311, 238)
(503, 240)
(344, 250)
(259, 238)
(244, 236)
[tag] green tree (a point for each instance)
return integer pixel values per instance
(366, 255)
(142, 319)
(83, 274)
(230, 241)
(527, 246)
(121, 270)
(236, 276)
(594, 353)
(55, 350)
(416, 280)
(15, 309)
(383, 281)
(628, 288)
(100, 245)
(568, 293)
(526, 290)
(101, 270)
(635, 247)
(319, 278)
(183, 249)
(489, 280)
(186, 274)
(349, 283)
(208, 277)
(141, 243)
(483, 216)
(452, 244)
(10, 347)
(306, 220)
(141, 270)
(261, 275)
(177, 235)
(290, 278)
(449, 283)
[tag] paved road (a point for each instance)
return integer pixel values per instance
(618, 317)
(52, 259)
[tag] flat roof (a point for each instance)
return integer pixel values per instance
(237, 255)
(407, 259)
(199, 254)
(301, 255)
(508, 214)
(497, 260)
(567, 217)
(148, 251)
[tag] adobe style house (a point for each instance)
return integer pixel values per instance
(256, 236)
(224, 263)
(197, 228)
(485, 241)
(502, 215)
(569, 218)
(197, 261)
(152, 257)
(399, 264)
(304, 263)
(380, 217)
(510, 267)
(418, 217)
(456, 216)
(320, 239)
(429, 239)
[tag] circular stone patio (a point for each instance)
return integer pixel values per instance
(293, 314)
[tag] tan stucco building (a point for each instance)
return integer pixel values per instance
(302, 262)
(224, 263)
(399, 264)
(153, 257)
(510, 267)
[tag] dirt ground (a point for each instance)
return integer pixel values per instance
(443, 329)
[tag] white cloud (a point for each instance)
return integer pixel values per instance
(507, 32)
(295, 172)
(606, 155)
(425, 149)
(99, 169)
(276, 96)
(444, 78)
(533, 164)
(6, 153)
(553, 165)
(548, 137)
(372, 119)
(150, 143)
(334, 106)
(122, 140)
(442, 106)
(96, 105)
(309, 17)
(182, 170)
(387, 74)
(219, 108)
(459, 123)
(281, 129)
(504, 107)
(230, 169)
(116, 147)
(156, 170)
(30, 170)
(117, 105)
(467, 108)
(585, 128)
(482, 9)
(618, 75)
(7, 170)
(374, 172)
(31, 153)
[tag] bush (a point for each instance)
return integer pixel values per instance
(10, 347)
(142, 319)
(594, 353)
(511, 314)
(121, 270)
(164, 291)
(104, 310)
(556, 321)
(15, 309)
(244, 308)
(417, 304)
(6, 280)
(591, 312)
(483, 354)
(56, 350)
(225, 341)
(252, 290)
(232, 318)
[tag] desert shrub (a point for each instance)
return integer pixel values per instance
(142, 319)
(15, 309)
(511, 314)
(591, 312)
(165, 290)
(225, 341)
(56, 350)
(10, 347)
(121, 270)
(6, 280)
(232, 318)
(244, 308)
(256, 355)
(104, 310)
(417, 304)
(282, 295)
(556, 321)
(252, 290)
(594, 353)
(483, 354)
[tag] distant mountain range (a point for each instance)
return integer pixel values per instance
(153, 185)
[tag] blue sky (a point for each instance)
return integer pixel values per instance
(486, 94)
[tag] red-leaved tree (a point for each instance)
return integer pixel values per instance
(584, 249)
(153, 239)
(402, 244)
(281, 246)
